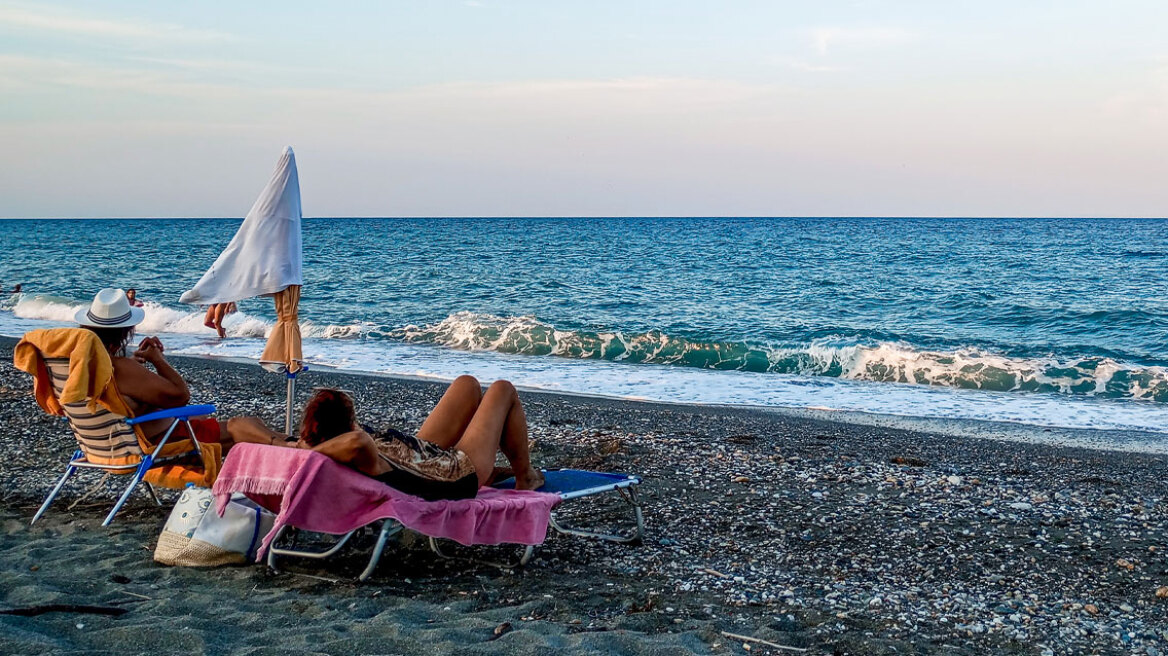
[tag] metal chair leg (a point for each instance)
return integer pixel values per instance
(629, 496)
(69, 471)
(344, 539)
(272, 548)
(389, 528)
(137, 478)
(153, 493)
(523, 559)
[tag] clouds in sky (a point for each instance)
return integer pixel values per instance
(542, 109)
(42, 18)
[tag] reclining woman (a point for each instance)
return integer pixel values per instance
(453, 454)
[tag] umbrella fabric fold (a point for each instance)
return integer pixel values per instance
(284, 342)
(265, 256)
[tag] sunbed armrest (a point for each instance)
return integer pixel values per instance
(185, 412)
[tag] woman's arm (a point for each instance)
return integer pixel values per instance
(355, 449)
(165, 389)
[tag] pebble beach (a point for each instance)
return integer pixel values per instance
(766, 532)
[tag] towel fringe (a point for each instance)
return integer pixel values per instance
(266, 486)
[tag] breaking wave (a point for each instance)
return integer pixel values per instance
(162, 319)
(966, 368)
(836, 357)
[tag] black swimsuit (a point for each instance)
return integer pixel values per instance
(425, 469)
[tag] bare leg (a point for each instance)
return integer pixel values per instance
(449, 419)
(220, 312)
(209, 318)
(248, 429)
(499, 424)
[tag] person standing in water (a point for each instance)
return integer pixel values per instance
(132, 297)
(215, 314)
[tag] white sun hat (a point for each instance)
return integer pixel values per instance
(110, 309)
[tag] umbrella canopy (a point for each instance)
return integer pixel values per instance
(264, 258)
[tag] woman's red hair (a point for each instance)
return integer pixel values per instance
(328, 414)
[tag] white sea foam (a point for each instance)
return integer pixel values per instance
(477, 352)
(972, 368)
(162, 319)
(965, 368)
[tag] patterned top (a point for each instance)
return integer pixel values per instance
(423, 459)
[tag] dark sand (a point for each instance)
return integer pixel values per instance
(831, 537)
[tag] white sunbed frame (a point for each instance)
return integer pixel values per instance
(626, 488)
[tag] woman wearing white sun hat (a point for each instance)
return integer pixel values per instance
(112, 318)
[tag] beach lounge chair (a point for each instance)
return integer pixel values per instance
(311, 492)
(108, 441)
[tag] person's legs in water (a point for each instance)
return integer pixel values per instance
(449, 419)
(500, 425)
(209, 318)
(220, 312)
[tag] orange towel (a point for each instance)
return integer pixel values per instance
(91, 376)
(177, 476)
(91, 371)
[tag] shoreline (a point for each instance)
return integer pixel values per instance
(828, 536)
(1085, 438)
(1081, 419)
(1122, 441)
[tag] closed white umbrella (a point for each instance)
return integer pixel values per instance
(265, 258)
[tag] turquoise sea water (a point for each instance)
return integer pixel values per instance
(1054, 322)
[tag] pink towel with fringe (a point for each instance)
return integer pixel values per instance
(313, 492)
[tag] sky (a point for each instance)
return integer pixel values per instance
(627, 108)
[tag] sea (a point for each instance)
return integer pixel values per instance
(1059, 323)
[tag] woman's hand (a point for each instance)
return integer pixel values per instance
(150, 350)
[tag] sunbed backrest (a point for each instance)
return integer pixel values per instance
(100, 433)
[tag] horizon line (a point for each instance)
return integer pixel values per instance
(629, 216)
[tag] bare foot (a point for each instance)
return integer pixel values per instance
(532, 480)
(500, 474)
(221, 331)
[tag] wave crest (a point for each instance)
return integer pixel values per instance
(162, 319)
(967, 368)
(836, 357)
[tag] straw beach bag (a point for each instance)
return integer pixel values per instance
(196, 536)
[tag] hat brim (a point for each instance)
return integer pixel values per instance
(137, 314)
